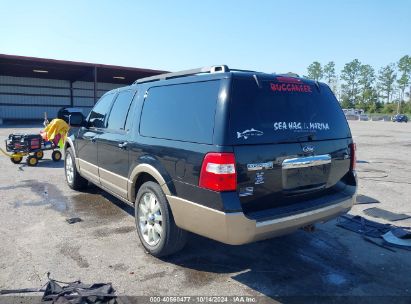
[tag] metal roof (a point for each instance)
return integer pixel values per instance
(21, 66)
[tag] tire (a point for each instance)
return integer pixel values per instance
(16, 159)
(32, 161)
(73, 178)
(39, 155)
(56, 156)
(171, 239)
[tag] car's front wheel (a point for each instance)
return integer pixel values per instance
(73, 178)
(156, 228)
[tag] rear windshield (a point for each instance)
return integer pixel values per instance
(284, 109)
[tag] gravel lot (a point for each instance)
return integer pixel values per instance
(35, 238)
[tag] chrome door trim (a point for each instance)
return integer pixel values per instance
(304, 162)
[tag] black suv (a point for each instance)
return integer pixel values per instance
(236, 156)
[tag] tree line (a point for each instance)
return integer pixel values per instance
(359, 86)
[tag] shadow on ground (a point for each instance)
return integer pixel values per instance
(298, 265)
(49, 163)
(303, 264)
(44, 163)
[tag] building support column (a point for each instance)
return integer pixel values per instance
(71, 94)
(95, 84)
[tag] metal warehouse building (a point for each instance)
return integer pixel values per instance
(31, 86)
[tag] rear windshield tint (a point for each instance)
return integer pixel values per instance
(284, 110)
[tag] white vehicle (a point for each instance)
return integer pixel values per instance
(353, 111)
(355, 114)
(363, 117)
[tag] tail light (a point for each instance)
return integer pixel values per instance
(353, 148)
(218, 172)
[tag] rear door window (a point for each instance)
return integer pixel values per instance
(284, 109)
(181, 112)
(119, 111)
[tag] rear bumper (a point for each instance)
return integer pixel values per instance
(236, 228)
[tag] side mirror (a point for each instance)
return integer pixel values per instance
(76, 119)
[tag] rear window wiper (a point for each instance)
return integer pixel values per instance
(308, 136)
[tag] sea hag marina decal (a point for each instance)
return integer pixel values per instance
(301, 126)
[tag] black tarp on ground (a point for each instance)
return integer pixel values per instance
(385, 214)
(71, 292)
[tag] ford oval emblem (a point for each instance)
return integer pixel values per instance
(308, 149)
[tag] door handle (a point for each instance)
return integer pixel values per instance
(123, 145)
(93, 139)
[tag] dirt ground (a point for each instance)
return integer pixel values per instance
(35, 238)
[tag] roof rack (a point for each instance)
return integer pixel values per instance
(290, 74)
(210, 69)
(245, 71)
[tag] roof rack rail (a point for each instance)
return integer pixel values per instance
(290, 74)
(210, 69)
(246, 71)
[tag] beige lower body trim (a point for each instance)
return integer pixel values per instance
(237, 229)
(88, 170)
(118, 184)
(114, 182)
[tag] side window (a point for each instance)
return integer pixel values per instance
(118, 114)
(98, 114)
(181, 112)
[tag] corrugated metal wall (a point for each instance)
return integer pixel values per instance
(29, 98)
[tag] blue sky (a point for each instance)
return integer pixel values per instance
(270, 36)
